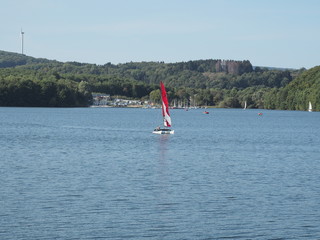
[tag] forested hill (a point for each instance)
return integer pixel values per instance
(193, 74)
(9, 59)
(28, 81)
(297, 94)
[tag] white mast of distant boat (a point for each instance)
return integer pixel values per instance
(310, 107)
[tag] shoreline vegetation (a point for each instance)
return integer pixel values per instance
(36, 82)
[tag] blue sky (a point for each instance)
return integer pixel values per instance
(274, 33)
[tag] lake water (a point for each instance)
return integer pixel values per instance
(99, 173)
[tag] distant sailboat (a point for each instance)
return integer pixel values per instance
(310, 107)
(245, 105)
(165, 113)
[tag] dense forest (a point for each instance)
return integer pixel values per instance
(28, 81)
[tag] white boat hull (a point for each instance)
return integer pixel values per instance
(163, 131)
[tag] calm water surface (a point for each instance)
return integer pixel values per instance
(99, 173)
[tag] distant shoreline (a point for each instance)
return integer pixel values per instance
(108, 106)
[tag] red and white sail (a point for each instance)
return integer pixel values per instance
(165, 107)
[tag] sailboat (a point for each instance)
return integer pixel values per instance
(165, 113)
(310, 107)
(245, 105)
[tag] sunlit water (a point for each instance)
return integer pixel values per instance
(99, 173)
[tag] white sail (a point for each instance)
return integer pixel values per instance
(166, 116)
(245, 105)
(310, 107)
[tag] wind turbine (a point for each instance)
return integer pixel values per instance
(22, 41)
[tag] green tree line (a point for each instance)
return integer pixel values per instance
(27, 81)
(29, 91)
